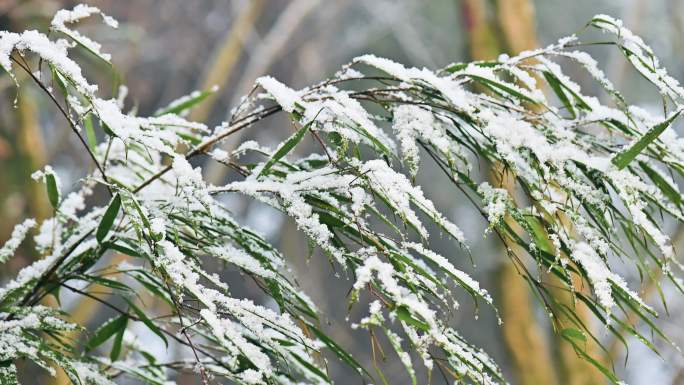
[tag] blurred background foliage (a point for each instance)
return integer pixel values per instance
(164, 49)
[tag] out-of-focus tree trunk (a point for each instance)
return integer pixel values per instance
(220, 68)
(264, 55)
(30, 141)
(483, 42)
(517, 25)
(517, 22)
(514, 31)
(21, 152)
(523, 336)
(31, 148)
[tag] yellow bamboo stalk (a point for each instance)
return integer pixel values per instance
(483, 42)
(30, 143)
(267, 53)
(523, 336)
(223, 63)
(517, 24)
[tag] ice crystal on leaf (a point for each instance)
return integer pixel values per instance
(587, 178)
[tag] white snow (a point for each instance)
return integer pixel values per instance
(18, 235)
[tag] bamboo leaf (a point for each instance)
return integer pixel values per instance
(338, 350)
(108, 219)
(622, 159)
(107, 330)
(285, 148)
(557, 88)
(148, 322)
(116, 346)
(574, 334)
(665, 187)
(312, 368)
(185, 105)
(87, 47)
(90, 132)
(405, 315)
(52, 190)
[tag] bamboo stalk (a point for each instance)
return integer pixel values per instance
(516, 19)
(523, 336)
(270, 49)
(220, 68)
(30, 141)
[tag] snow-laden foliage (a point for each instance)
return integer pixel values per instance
(592, 179)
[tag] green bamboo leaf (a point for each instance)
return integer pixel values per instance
(110, 283)
(312, 368)
(285, 148)
(121, 249)
(574, 334)
(141, 213)
(396, 344)
(107, 130)
(557, 88)
(105, 331)
(152, 284)
(90, 132)
(87, 47)
(52, 190)
(606, 372)
(405, 315)
(108, 219)
(537, 232)
(186, 104)
(665, 187)
(622, 159)
(337, 350)
(116, 346)
(461, 66)
(148, 322)
(58, 79)
(502, 87)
